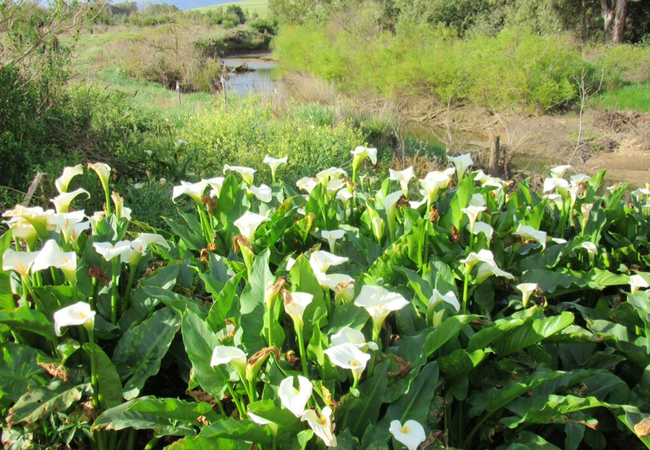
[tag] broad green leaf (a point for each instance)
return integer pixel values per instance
(252, 306)
(527, 441)
(459, 363)
(42, 400)
(546, 410)
(532, 332)
(18, 370)
(285, 419)
(141, 349)
(26, 319)
(240, 430)
(224, 304)
(414, 404)
(193, 240)
(165, 416)
(108, 381)
(551, 281)
(176, 301)
(448, 329)
(207, 443)
(6, 296)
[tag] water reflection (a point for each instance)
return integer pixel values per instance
(264, 78)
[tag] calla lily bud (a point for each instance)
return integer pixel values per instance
(103, 172)
(256, 361)
(62, 201)
(272, 291)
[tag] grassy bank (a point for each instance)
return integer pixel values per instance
(259, 7)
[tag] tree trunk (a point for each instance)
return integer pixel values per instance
(614, 13)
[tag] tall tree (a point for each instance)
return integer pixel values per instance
(614, 12)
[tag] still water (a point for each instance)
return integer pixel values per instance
(264, 79)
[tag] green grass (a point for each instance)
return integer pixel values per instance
(261, 7)
(634, 97)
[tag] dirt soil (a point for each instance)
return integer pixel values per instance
(616, 141)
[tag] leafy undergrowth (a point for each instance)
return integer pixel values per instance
(470, 314)
(635, 97)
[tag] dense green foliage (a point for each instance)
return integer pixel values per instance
(192, 339)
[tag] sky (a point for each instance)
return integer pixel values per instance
(185, 4)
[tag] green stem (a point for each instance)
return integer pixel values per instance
(130, 444)
(236, 399)
(152, 443)
(474, 430)
(303, 353)
(114, 293)
(205, 229)
(267, 325)
(252, 393)
(109, 208)
(93, 304)
(129, 285)
(465, 288)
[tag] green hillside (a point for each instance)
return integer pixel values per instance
(261, 7)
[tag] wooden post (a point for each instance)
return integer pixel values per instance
(494, 157)
(32, 188)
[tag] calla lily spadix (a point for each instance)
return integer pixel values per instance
(526, 290)
(332, 236)
(411, 434)
(19, 262)
(321, 260)
(307, 184)
(379, 302)
(248, 224)
(449, 297)
(222, 355)
(263, 193)
(69, 173)
(274, 163)
(462, 163)
(527, 232)
(347, 335)
(295, 304)
(216, 184)
(402, 177)
(246, 173)
(110, 251)
(472, 213)
(194, 190)
(52, 256)
(636, 282)
(74, 315)
(321, 425)
(295, 400)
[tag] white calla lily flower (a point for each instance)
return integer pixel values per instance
(559, 185)
(69, 173)
(341, 284)
(558, 171)
(485, 228)
(324, 176)
(216, 184)
(344, 195)
(274, 163)
(19, 262)
(462, 163)
(332, 236)
(579, 178)
(62, 201)
(402, 177)
(222, 355)
(307, 184)
(295, 400)
(321, 425)
(110, 251)
(347, 335)
(379, 302)
(449, 297)
(263, 193)
(246, 173)
(636, 282)
(390, 205)
(248, 224)
(486, 270)
(411, 434)
(485, 256)
(527, 232)
(295, 304)
(348, 356)
(52, 256)
(22, 229)
(103, 171)
(66, 223)
(321, 261)
(74, 315)
(472, 214)
(194, 190)
(434, 181)
(591, 248)
(526, 290)
(477, 200)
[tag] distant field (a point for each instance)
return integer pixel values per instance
(261, 7)
(634, 97)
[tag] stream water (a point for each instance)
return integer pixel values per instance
(263, 78)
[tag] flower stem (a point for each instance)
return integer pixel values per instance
(465, 288)
(303, 353)
(235, 399)
(129, 285)
(114, 293)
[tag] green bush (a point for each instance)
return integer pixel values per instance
(252, 129)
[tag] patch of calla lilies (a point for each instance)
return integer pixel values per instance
(327, 314)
